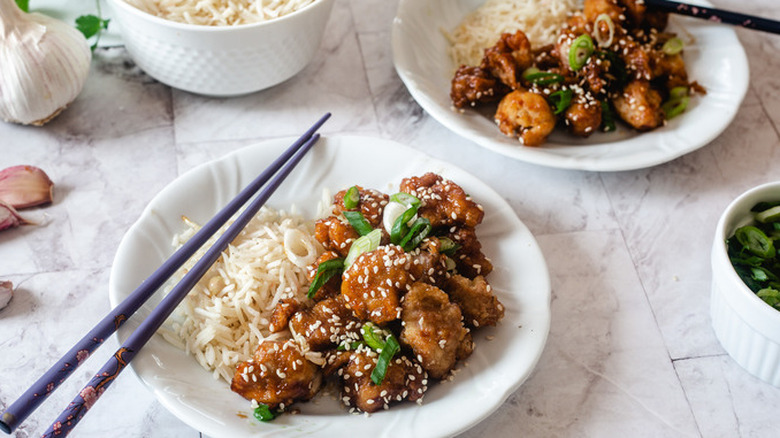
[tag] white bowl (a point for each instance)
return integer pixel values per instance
(222, 60)
(747, 327)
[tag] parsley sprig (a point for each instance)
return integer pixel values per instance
(88, 24)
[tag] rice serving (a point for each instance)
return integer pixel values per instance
(219, 12)
(225, 317)
(538, 19)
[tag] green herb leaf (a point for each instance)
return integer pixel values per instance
(23, 5)
(91, 26)
(561, 99)
(325, 271)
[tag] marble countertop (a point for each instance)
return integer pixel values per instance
(631, 350)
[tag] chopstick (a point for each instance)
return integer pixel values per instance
(17, 412)
(717, 15)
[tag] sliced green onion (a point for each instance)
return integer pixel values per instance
(325, 271)
(405, 199)
(389, 349)
(401, 225)
(677, 103)
(543, 78)
(358, 222)
(448, 246)
(264, 413)
(610, 25)
(371, 337)
(672, 46)
(580, 51)
(351, 198)
(561, 99)
(759, 274)
(607, 118)
(450, 264)
(755, 241)
(769, 215)
(367, 243)
(349, 346)
(770, 296)
(416, 234)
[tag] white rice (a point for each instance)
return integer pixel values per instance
(538, 19)
(219, 12)
(224, 318)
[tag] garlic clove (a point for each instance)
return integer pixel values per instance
(6, 293)
(25, 186)
(45, 63)
(9, 217)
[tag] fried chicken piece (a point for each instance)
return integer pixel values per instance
(443, 202)
(469, 259)
(593, 8)
(525, 115)
(508, 58)
(583, 118)
(335, 234)
(284, 310)
(277, 375)
(473, 85)
(371, 205)
(404, 380)
(670, 68)
(332, 287)
(479, 306)
(373, 285)
(326, 325)
(433, 329)
(428, 264)
(637, 60)
(639, 105)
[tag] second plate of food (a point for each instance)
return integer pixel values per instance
(504, 355)
(713, 55)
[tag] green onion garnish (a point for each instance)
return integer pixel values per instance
(610, 26)
(264, 413)
(769, 215)
(416, 234)
(405, 199)
(447, 246)
(367, 243)
(389, 349)
(755, 241)
(351, 198)
(358, 222)
(677, 103)
(561, 99)
(607, 118)
(325, 271)
(401, 225)
(580, 51)
(672, 46)
(770, 296)
(371, 337)
(542, 77)
(349, 346)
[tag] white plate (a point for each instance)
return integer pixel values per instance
(496, 369)
(715, 59)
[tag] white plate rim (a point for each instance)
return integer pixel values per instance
(152, 364)
(707, 117)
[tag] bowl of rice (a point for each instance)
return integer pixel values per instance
(221, 47)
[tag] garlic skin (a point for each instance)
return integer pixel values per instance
(6, 293)
(45, 63)
(9, 217)
(25, 186)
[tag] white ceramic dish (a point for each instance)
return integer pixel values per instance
(745, 325)
(222, 60)
(715, 59)
(495, 370)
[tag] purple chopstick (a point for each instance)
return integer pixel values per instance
(17, 412)
(717, 15)
(119, 361)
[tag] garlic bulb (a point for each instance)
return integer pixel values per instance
(44, 65)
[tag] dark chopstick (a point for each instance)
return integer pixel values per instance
(717, 15)
(18, 411)
(119, 361)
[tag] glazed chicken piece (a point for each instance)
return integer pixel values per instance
(583, 118)
(432, 328)
(277, 375)
(326, 325)
(525, 115)
(332, 287)
(335, 234)
(443, 202)
(428, 264)
(371, 205)
(469, 259)
(404, 380)
(476, 300)
(637, 60)
(473, 85)
(375, 282)
(593, 8)
(508, 58)
(640, 106)
(670, 68)
(640, 16)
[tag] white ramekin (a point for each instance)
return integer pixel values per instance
(747, 327)
(222, 60)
